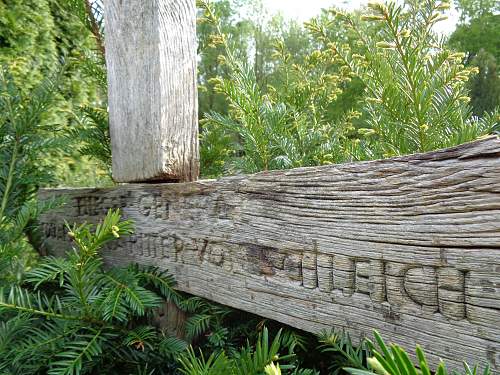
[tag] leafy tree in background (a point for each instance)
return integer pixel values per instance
(36, 38)
(471, 9)
(274, 127)
(27, 46)
(480, 33)
(485, 86)
(239, 31)
(416, 95)
(252, 33)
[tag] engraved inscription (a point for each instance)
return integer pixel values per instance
(310, 270)
(344, 274)
(324, 266)
(154, 206)
(427, 288)
(451, 292)
(263, 260)
(57, 231)
(97, 206)
(420, 284)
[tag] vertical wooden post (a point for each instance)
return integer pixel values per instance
(151, 63)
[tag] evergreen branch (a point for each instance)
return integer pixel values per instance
(34, 311)
(10, 176)
(159, 279)
(75, 353)
(94, 27)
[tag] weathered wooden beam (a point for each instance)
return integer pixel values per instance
(151, 63)
(408, 246)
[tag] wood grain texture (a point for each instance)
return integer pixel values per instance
(151, 64)
(408, 246)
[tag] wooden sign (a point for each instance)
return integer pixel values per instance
(153, 101)
(409, 246)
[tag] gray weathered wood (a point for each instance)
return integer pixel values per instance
(408, 246)
(151, 63)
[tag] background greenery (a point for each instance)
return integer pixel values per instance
(273, 94)
(313, 105)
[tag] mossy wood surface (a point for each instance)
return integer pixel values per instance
(409, 246)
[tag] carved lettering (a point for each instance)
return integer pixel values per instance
(98, 206)
(220, 255)
(154, 206)
(398, 285)
(260, 259)
(324, 265)
(362, 276)
(344, 268)
(451, 292)
(310, 270)
(57, 231)
(407, 246)
(292, 266)
(168, 247)
(420, 284)
(376, 281)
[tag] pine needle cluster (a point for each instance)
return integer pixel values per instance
(25, 141)
(269, 128)
(263, 358)
(415, 93)
(72, 316)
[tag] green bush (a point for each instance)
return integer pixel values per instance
(82, 318)
(394, 360)
(415, 94)
(25, 140)
(250, 360)
(71, 315)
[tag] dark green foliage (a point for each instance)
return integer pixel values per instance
(341, 352)
(480, 32)
(27, 46)
(335, 353)
(478, 36)
(73, 43)
(250, 360)
(209, 324)
(485, 86)
(393, 360)
(36, 37)
(92, 132)
(25, 140)
(83, 319)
